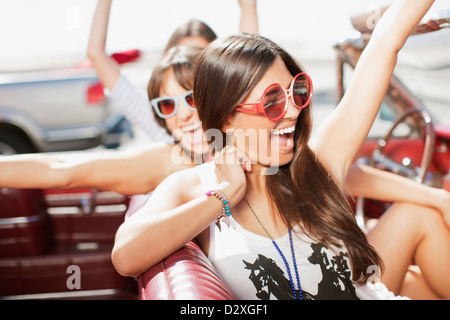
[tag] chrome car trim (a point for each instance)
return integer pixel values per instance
(23, 219)
(63, 295)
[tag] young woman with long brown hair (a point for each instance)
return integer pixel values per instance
(284, 233)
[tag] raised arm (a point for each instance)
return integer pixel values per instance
(341, 134)
(368, 182)
(249, 17)
(172, 216)
(177, 211)
(130, 99)
(107, 68)
(128, 172)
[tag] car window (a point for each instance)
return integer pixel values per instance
(424, 67)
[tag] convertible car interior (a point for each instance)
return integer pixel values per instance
(56, 244)
(44, 233)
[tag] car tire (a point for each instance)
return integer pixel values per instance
(13, 143)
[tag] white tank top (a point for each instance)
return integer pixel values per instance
(253, 269)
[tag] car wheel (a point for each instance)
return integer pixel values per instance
(12, 143)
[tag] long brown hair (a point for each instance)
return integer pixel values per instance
(303, 191)
(192, 28)
(181, 60)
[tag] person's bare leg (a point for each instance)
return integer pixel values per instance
(409, 234)
(416, 286)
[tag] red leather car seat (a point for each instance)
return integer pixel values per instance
(186, 274)
(24, 223)
(37, 248)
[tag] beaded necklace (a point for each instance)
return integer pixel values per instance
(294, 291)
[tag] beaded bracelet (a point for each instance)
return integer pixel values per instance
(219, 194)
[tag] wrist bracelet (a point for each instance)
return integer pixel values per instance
(219, 194)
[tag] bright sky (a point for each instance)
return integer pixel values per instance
(46, 31)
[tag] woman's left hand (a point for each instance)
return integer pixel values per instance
(231, 165)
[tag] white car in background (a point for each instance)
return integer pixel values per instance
(59, 109)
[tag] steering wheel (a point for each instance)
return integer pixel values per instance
(380, 158)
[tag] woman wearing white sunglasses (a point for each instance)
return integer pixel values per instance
(132, 101)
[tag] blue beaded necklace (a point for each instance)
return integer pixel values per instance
(298, 294)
